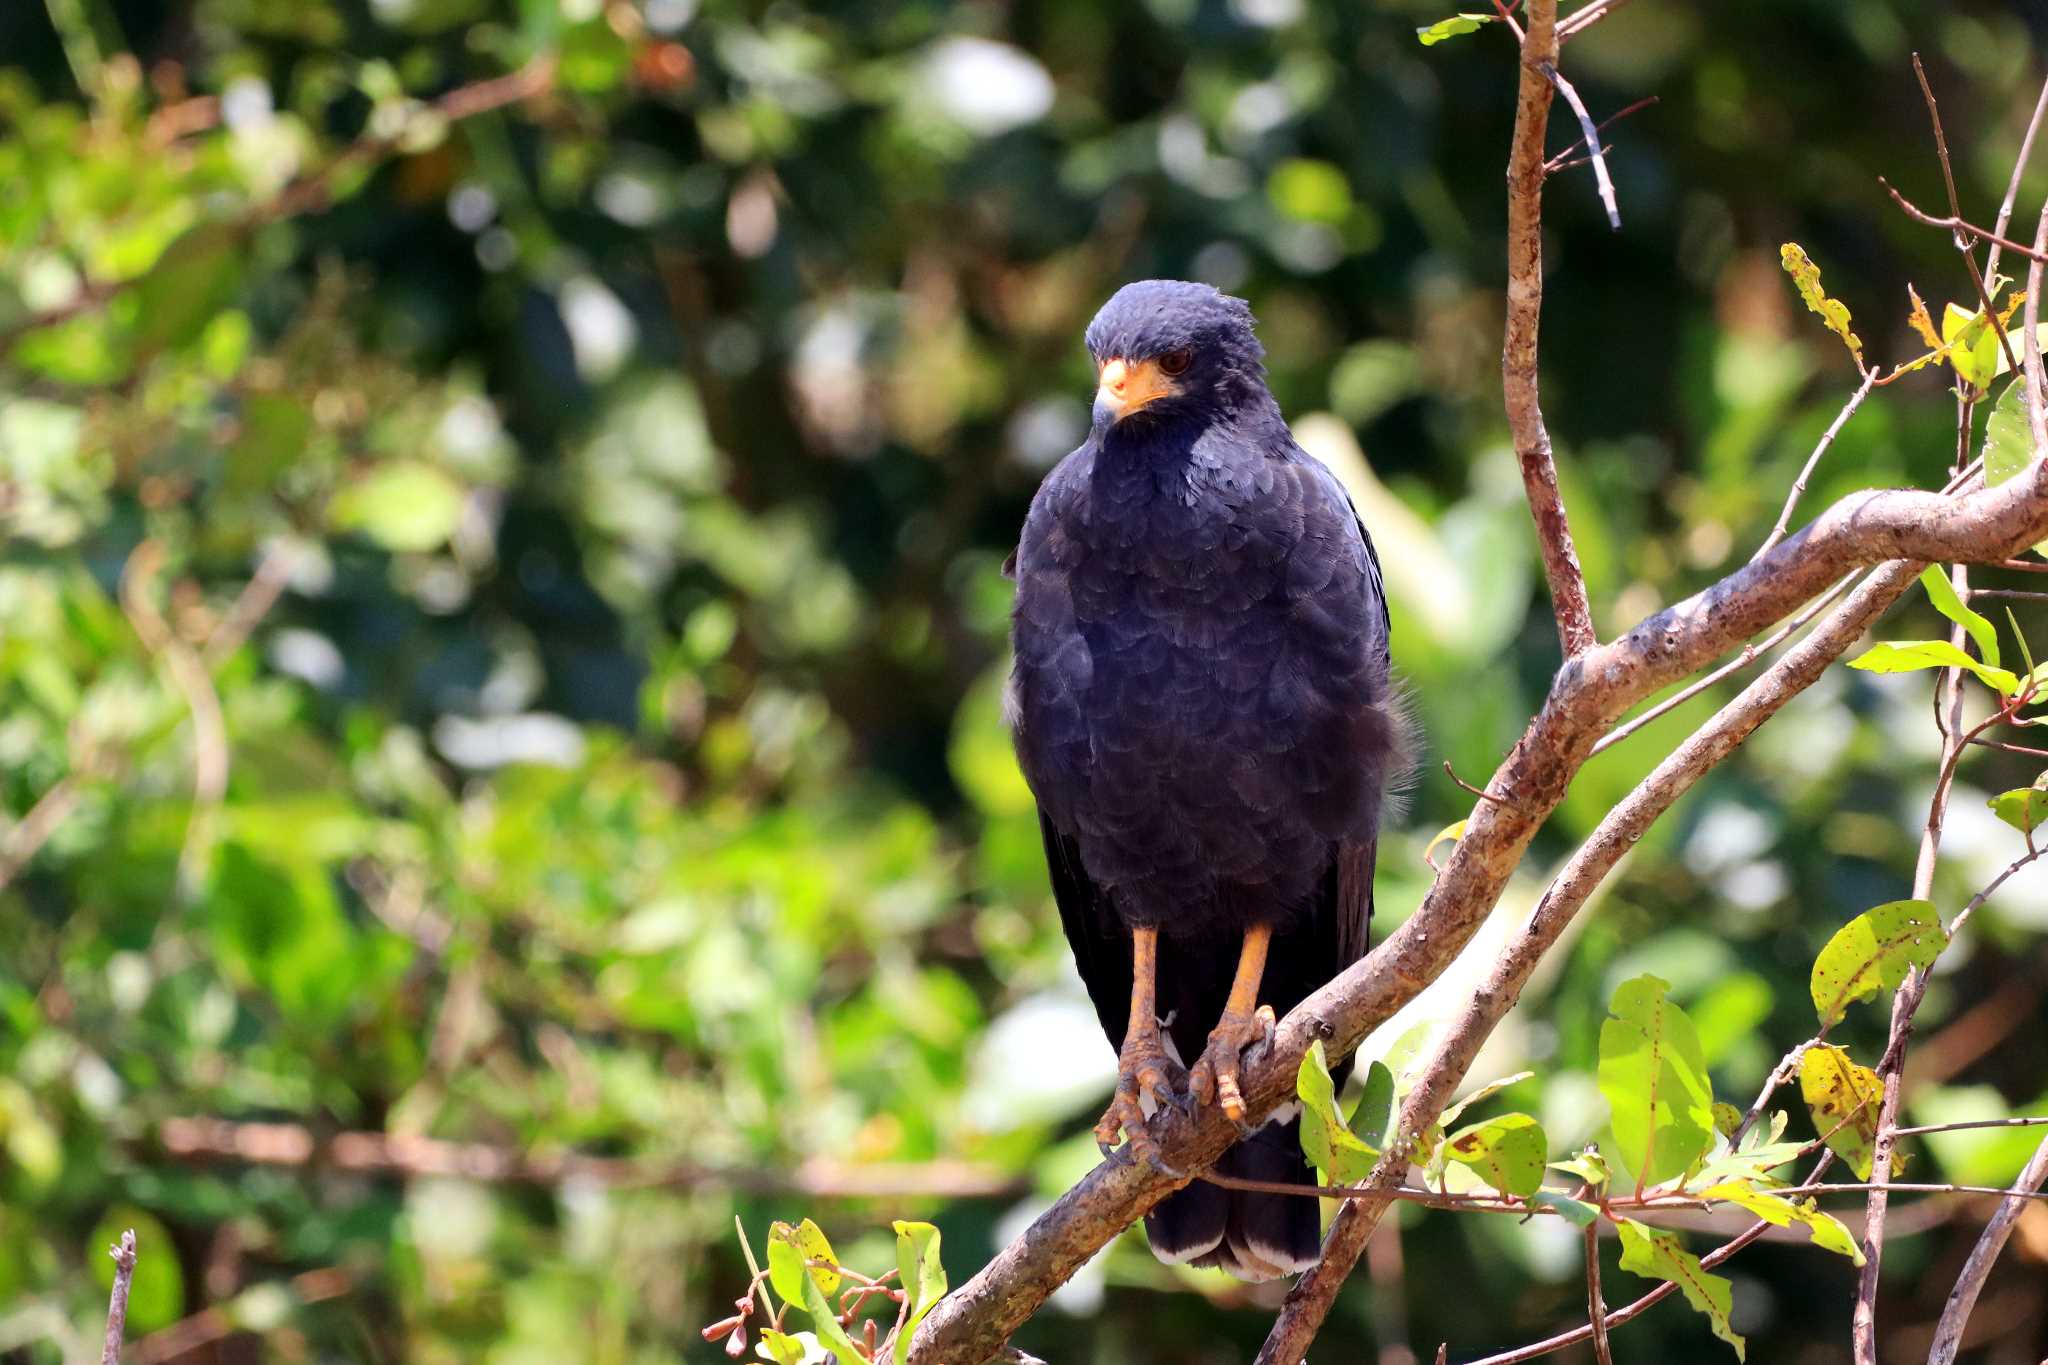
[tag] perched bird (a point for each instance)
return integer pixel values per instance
(1202, 706)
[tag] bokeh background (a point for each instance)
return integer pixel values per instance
(501, 624)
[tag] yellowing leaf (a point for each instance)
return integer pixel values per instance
(1507, 1152)
(1784, 1210)
(1658, 1256)
(1922, 324)
(804, 1242)
(1654, 1078)
(1449, 834)
(1844, 1099)
(1972, 345)
(1806, 276)
(1727, 1118)
(1875, 949)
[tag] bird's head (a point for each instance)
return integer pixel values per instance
(1173, 351)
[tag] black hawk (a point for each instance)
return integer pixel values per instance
(1202, 707)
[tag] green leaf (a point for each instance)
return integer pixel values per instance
(1654, 1079)
(805, 1242)
(1783, 1211)
(1806, 277)
(1452, 27)
(1844, 1099)
(1374, 1118)
(1973, 345)
(922, 1276)
(1326, 1140)
(1943, 594)
(1506, 1151)
(1875, 949)
(2008, 444)
(1309, 191)
(1658, 1256)
(195, 278)
(782, 1348)
(1578, 1214)
(1907, 656)
(403, 505)
(825, 1319)
(1588, 1166)
(2024, 808)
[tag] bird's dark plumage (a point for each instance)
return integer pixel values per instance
(1202, 706)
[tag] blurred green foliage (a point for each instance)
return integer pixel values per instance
(571, 445)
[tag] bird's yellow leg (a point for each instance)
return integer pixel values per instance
(1245, 1022)
(1143, 1068)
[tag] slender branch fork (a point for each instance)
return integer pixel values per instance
(1887, 537)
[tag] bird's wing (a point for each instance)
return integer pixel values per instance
(1101, 944)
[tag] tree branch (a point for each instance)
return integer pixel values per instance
(1955, 1314)
(1590, 692)
(1524, 315)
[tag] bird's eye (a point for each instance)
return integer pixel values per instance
(1176, 362)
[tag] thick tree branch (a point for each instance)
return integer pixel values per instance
(1310, 1300)
(1590, 692)
(1525, 308)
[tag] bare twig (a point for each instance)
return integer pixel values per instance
(1820, 448)
(1955, 223)
(1563, 160)
(2033, 1122)
(1590, 134)
(1596, 1307)
(1579, 20)
(1955, 207)
(2030, 342)
(1750, 654)
(117, 1304)
(1524, 316)
(26, 836)
(1955, 1314)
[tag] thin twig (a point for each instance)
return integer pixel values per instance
(1563, 160)
(1955, 1314)
(1820, 448)
(1479, 792)
(1955, 208)
(117, 1304)
(2031, 1122)
(1749, 655)
(2019, 171)
(1954, 223)
(1590, 134)
(1579, 20)
(1596, 1307)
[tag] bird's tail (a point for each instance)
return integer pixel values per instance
(1254, 1236)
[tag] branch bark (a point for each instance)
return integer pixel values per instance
(1590, 692)
(1955, 1314)
(1518, 361)
(117, 1303)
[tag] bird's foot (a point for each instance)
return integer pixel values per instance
(1145, 1082)
(1215, 1077)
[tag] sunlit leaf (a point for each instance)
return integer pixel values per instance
(1907, 656)
(800, 1244)
(1657, 1255)
(1875, 949)
(1727, 1118)
(2024, 808)
(1806, 276)
(1654, 1078)
(922, 1276)
(402, 505)
(1484, 1092)
(1972, 345)
(1844, 1099)
(1449, 834)
(1785, 1210)
(1326, 1140)
(1577, 1213)
(1457, 24)
(1506, 1151)
(1943, 594)
(1588, 1166)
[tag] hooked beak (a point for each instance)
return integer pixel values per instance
(1125, 386)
